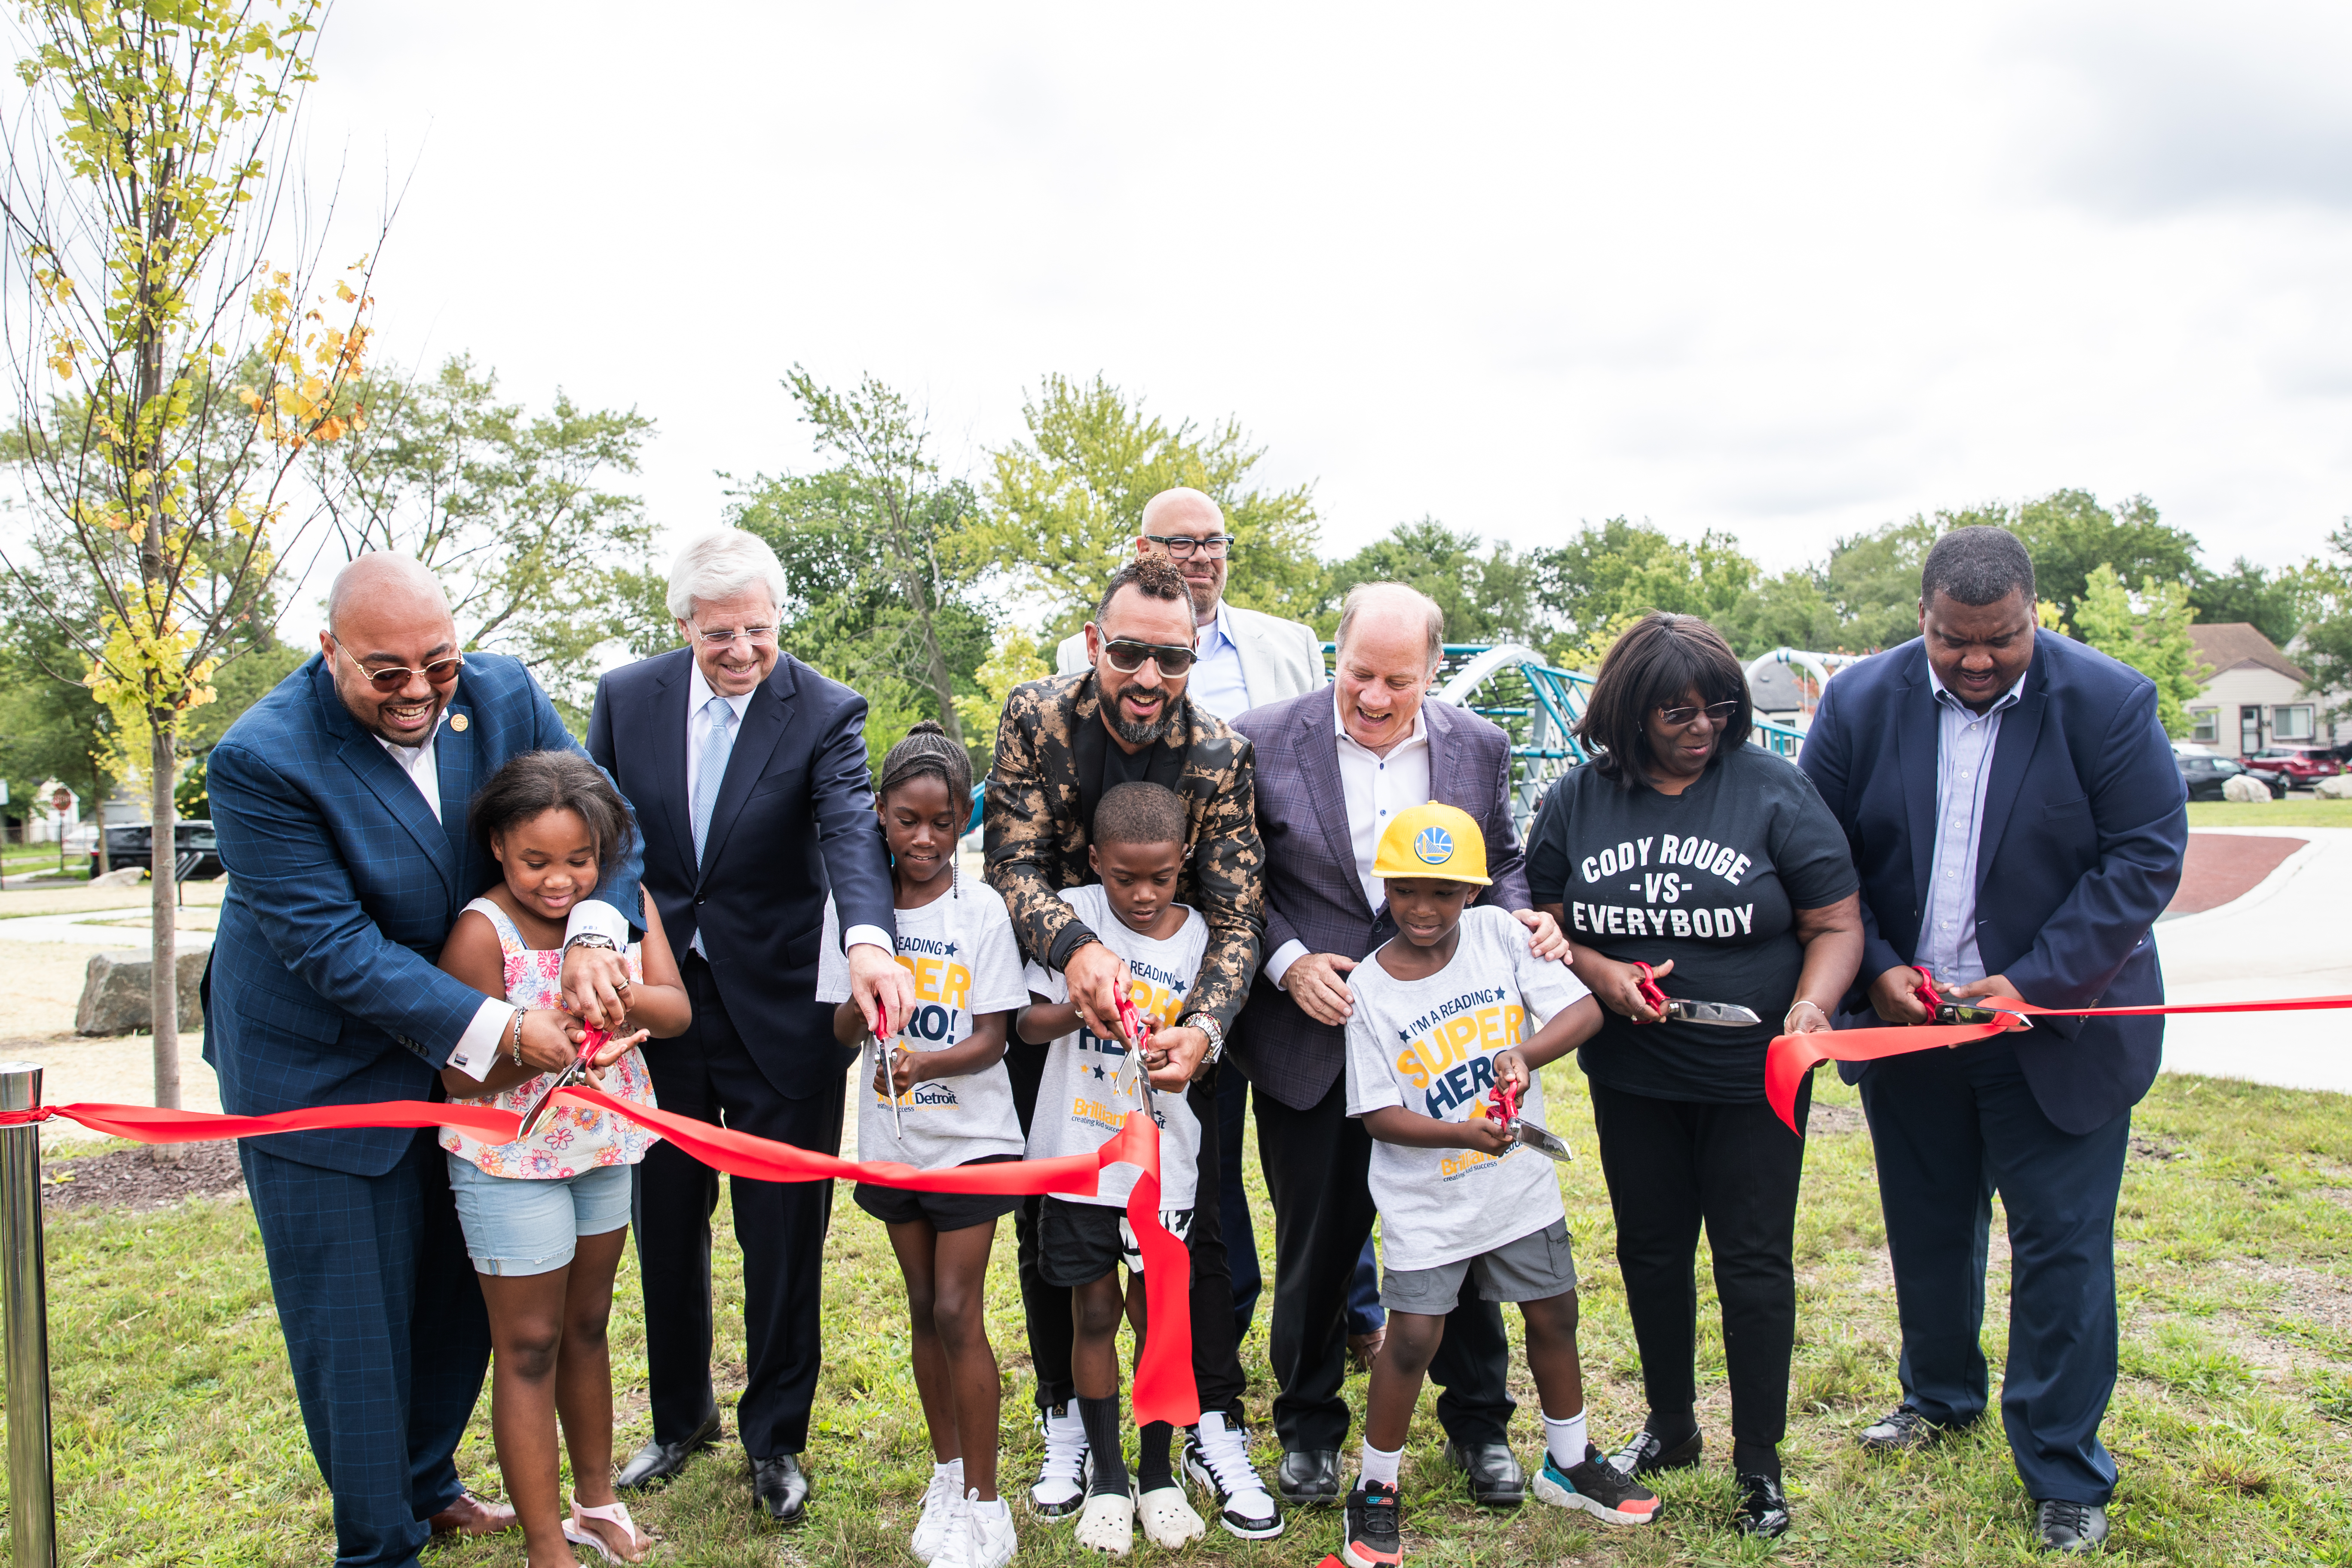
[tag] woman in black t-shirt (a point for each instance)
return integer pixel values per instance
(1714, 861)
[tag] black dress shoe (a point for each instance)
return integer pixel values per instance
(657, 1462)
(1308, 1475)
(2060, 1526)
(1493, 1473)
(782, 1488)
(1643, 1455)
(1763, 1510)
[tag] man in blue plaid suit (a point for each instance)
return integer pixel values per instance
(340, 800)
(1333, 767)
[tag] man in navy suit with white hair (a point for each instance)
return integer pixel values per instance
(2013, 805)
(339, 799)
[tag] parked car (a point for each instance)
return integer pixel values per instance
(130, 844)
(2205, 775)
(2299, 766)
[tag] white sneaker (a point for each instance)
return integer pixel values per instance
(1216, 1459)
(940, 1498)
(1108, 1523)
(1061, 1489)
(956, 1545)
(1168, 1521)
(992, 1543)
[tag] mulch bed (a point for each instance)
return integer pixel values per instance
(2221, 866)
(129, 1178)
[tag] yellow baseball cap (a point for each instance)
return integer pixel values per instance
(1441, 842)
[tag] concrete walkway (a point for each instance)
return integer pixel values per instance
(2286, 937)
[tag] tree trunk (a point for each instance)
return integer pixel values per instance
(165, 995)
(98, 815)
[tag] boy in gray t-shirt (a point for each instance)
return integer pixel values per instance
(1444, 1022)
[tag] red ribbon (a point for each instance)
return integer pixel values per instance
(1791, 1057)
(1164, 1389)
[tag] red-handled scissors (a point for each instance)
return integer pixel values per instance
(1724, 1014)
(883, 1042)
(1131, 1025)
(575, 1072)
(1943, 1012)
(1534, 1134)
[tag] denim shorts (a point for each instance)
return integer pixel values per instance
(518, 1226)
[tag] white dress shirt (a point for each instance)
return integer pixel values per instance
(1217, 685)
(476, 1050)
(1377, 787)
(697, 729)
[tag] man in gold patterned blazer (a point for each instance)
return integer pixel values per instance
(1065, 741)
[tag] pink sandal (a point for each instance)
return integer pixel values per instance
(576, 1530)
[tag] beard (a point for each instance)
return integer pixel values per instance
(1144, 733)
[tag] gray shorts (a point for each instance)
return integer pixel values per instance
(1536, 1268)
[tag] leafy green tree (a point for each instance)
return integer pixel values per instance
(167, 378)
(879, 561)
(50, 725)
(515, 512)
(2324, 585)
(2271, 605)
(1485, 591)
(1789, 610)
(1871, 580)
(1062, 508)
(2146, 628)
(1620, 568)
(2069, 535)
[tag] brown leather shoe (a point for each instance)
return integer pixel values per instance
(1365, 1348)
(469, 1515)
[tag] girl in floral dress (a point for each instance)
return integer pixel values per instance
(545, 1216)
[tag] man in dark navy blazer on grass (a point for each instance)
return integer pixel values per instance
(747, 770)
(341, 802)
(2019, 824)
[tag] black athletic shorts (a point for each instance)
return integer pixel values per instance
(1078, 1244)
(946, 1211)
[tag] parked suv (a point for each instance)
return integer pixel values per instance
(130, 844)
(2205, 773)
(2298, 766)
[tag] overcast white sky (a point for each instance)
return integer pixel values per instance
(1790, 271)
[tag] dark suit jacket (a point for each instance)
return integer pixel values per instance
(794, 818)
(1312, 892)
(2079, 851)
(322, 988)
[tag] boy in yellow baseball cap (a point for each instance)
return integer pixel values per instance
(1448, 1013)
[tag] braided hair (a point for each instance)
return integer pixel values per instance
(929, 752)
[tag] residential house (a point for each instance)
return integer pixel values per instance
(2255, 695)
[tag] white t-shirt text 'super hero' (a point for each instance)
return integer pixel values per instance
(1087, 1088)
(1428, 1046)
(961, 950)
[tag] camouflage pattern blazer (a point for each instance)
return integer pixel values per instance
(1036, 831)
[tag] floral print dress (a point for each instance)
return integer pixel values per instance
(574, 1138)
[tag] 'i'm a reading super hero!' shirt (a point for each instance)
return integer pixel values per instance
(1087, 1087)
(1428, 1046)
(961, 950)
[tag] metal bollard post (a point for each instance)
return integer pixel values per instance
(23, 1279)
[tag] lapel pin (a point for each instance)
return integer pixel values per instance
(457, 722)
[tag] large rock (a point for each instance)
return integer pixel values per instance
(120, 876)
(115, 994)
(2336, 787)
(2244, 786)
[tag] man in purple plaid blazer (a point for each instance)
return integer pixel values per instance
(1333, 767)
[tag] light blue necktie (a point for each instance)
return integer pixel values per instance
(717, 741)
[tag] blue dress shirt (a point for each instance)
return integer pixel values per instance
(1948, 936)
(1217, 684)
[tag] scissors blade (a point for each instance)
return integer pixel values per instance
(1727, 1015)
(1961, 1013)
(1535, 1136)
(546, 1100)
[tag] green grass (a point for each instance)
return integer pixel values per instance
(178, 1439)
(2289, 813)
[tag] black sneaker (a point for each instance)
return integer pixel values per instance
(1763, 1510)
(1598, 1488)
(1900, 1430)
(2060, 1526)
(1643, 1455)
(1372, 1539)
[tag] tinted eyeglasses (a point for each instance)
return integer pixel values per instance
(1721, 713)
(1180, 547)
(1127, 656)
(391, 678)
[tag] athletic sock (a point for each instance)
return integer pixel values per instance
(1756, 1459)
(1151, 1471)
(1565, 1440)
(1380, 1465)
(1100, 1417)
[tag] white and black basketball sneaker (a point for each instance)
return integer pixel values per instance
(1216, 1459)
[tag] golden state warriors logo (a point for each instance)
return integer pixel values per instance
(1433, 846)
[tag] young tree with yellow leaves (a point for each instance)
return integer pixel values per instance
(168, 379)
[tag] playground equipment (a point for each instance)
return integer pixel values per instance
(1820, 666)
